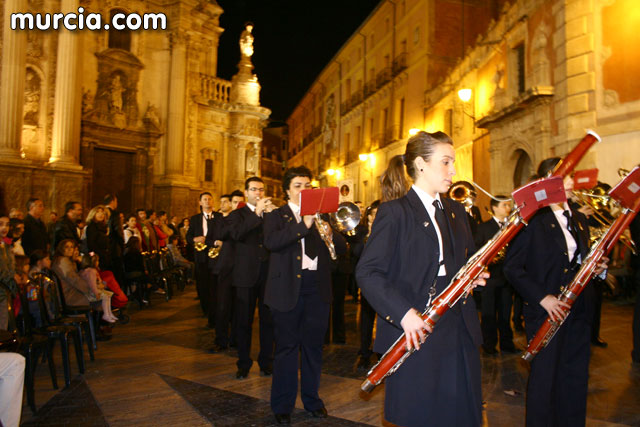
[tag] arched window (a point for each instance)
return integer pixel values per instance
(119, 39)
(523, 170)
(208, 170)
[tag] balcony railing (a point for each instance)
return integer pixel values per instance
(214, 88)
(383, 77)
(370, 88)
(400, 63)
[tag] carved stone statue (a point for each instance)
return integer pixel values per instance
(87, 101)
(31, 98)
(246, 41)
(251, 163)
(116, 94)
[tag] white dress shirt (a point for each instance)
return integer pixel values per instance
(205, 228)
(307, 263)
(427, 201)
(572, 245)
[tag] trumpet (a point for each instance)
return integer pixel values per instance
(214, 252)
(345, 219)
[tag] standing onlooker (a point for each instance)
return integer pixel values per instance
(116, 237)
(237, 199)
(173, 225)
(35, 231)
(66, 227)
(97, 237)
(7, 271)
(225, 205)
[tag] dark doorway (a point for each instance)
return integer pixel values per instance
(112, 174)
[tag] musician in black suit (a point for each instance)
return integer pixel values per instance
(298, 292)
(249, 277)
(497, 295)
(541, 259)
(417, 244)
(198, 233)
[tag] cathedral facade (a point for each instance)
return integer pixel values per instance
(140, 114)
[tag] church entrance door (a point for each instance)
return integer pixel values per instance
(113, 174)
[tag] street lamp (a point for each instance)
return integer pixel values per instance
(331, 172)
(464, 94)
(363, 157)
(413, 131)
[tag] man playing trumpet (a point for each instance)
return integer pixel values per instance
(249, 276)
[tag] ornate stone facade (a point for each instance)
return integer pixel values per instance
(141, 113)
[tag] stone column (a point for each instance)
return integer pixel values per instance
(12, 82)
(65, 150)
(177, 106)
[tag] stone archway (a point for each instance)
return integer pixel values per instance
(523, 170)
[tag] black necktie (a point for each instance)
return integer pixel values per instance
(447, 247)
(310, 244)
(571, 226)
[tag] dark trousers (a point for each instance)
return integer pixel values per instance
(244, 308)
(299, 335)
(339, 284)
(204, 280)
(557, 388)
(221, 316)
(598, 286)
(367, 317)
(496, 301)
(517, 311)
(635, 353)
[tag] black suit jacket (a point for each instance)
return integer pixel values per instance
(400, 263)
(282, 235)
(116, 234)
(246, 231)
(537, 265)
(35, 235)
(484, 232)
(214, 232)
(65, 229)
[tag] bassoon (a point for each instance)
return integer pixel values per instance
(528, 199)
(627, 192)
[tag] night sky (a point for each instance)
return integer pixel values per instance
(294, 40)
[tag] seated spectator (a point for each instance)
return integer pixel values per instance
(177, 257)
(98, 292)
(35, 234)
(75, 289)
(66, 227)
(97, 235)
(173, 225)
(11, 386)
(16, 229)
(7, 272)
(40, 263)
(131, 229)
(134, 265)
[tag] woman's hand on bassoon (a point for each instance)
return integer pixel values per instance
(414, 326)
(481, 280)
(601, 266)
(553, 306)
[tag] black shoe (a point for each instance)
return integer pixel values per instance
(510, 350)
(217, 348)
(266, 372)
(319, 413)
(242, 373)
(490, 350)
(598, 342)
(363, 363)
(283, 418)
